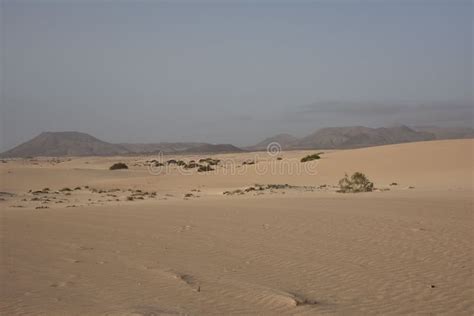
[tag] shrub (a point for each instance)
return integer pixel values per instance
(205, 168)
(311, 157)
(358, 182)
(118, 165)
(210, 161)
(191, 165)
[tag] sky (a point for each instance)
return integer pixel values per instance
(231, 71)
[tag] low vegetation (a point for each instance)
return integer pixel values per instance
(210, 161)
(205, 168)
(118, 165)
(358, 182)
(311, 157)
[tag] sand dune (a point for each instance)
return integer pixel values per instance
(302, 249)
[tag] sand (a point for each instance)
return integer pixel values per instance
(180, 246)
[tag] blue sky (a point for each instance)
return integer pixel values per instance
(232, 72)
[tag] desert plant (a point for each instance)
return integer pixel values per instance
(210, 161)
(358, 182)
(311, 157)
(205, 168)
(118, 165)
(191, 165)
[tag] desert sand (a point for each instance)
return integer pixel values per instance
(80, 239)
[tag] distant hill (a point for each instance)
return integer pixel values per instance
(360, 136)
(160, 147)
(214, 149)
(348, 137)
(286, 141)
(56, 144)
(447, 132)
(65, 144)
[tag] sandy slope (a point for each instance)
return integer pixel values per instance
(289, 251)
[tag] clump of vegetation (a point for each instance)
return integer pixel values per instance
(279, 158)
(65, 190)
(181, 163)
(191, 165)
(358, 182)
(235, 192)
(172, 162)
(248, 162)
(118, 165)
(311, 157)
(210, 161)
(205, 168)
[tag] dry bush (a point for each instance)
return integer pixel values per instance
(358, 182)
(118, 165)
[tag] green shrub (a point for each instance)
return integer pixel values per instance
(118, 165)
(311, 157)
(358, 182)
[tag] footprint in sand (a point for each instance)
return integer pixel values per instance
(189, 280)
(185, 228)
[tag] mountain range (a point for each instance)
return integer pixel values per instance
(56, 144)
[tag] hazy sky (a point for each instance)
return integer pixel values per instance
(231, 71)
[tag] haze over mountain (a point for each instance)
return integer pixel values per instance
(447, 132)
(360, 136)
(285, 141)
(164, 147)
(231, 71)
(81, 144)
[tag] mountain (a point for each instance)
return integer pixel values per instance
(55, 144)
(360, 136)
(65, 144)
(159, 147)
(286, 141)
(80, 144)
(447, 132)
